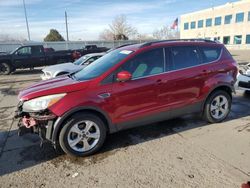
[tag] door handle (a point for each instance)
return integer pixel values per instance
(206, 72)
(104, 95)
(159, 81)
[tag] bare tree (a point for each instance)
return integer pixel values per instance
(166, 33)
(120, 29)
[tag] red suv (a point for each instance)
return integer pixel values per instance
(130, 86)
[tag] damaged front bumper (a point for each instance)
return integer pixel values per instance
(40, 123)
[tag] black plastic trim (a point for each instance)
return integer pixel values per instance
(166, 115)
(60, 120)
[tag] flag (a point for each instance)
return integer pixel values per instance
(175, 24)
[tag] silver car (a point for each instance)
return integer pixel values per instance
(67, 68)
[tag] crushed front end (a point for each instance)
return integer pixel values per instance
(40, 123)
(34, 116)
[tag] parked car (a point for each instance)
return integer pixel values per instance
(68, 68)
(32, 56)
(92, 49)
(130, 86)
(243, 79)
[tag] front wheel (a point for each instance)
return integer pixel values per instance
(217, 107)
(83, 135)
(5, 69)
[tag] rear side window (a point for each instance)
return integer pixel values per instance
(184, 57)
(210, 53)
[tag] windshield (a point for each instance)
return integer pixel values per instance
(102, 64)
(81, 60)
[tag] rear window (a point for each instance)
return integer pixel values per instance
(210, 53)
(184, 57)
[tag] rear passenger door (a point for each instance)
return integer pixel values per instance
(181, 85)
(37, 56)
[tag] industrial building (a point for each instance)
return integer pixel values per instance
(229, 24)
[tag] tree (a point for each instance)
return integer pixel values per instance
(120, 29)
(53, 35)
(166, 33)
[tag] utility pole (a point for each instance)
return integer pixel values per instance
(27, 24)
(67, 31)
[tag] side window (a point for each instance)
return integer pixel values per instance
(184, 57)
(24, 51)
(210, 54)
(37, 50)
(145, 64)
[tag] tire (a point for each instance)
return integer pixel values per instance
(217, 106)
(72, 138)
(5, 69)
(62, 73)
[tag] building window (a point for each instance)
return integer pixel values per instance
(217, 21)
(237, 39)
(248, 16)
(200, 23)
(226, 40)
(216, 38)
(228, 19)
(209, 22)
(193, 25)
(186, 26)
(248, 39)
(239, 17)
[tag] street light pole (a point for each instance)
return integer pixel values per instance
(66, 22)
(67, 31)
(27, 25)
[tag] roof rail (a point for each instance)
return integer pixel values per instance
(176, 40)
(125, 45)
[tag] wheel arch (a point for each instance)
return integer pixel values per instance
(61, 73)
(94, 110)
(224, 87)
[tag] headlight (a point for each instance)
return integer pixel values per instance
(42, 103)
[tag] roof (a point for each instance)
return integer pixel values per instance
(169, 43)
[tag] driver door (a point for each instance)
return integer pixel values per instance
(22, 57)
(136, 99)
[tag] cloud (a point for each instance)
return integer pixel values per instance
(86, 18)
(11, 3)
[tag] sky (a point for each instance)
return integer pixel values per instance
(87, 19)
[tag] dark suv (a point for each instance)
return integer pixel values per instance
(130, 86)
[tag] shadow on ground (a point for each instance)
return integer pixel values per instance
(25, 157)
(27, 72)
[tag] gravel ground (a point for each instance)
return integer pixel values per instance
(184, 152)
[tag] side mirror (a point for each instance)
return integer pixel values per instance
(124, 76)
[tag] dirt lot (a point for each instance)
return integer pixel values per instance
(184, 152)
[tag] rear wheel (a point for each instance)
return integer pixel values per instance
(217, 106)
(5, 69)
(83, 135)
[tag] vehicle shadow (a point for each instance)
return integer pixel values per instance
(25, 157)
(27, 71)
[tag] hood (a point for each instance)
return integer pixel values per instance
(4, 55)
(61, 84)
(61, 67)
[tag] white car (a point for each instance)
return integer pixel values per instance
(243, 79)
(67, 68)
